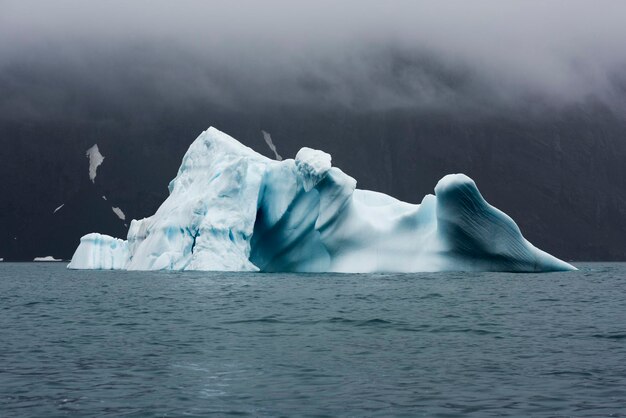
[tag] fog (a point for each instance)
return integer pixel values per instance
(464, 57)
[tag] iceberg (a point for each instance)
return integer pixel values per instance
(46, 258)
(97, 251)
(232, 209)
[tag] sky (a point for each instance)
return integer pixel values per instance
(456, 55)
(526, 97)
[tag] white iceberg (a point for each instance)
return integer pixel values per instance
(47, 258)
(98, 251)
(232, 209)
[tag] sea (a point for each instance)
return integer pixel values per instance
(173, 344)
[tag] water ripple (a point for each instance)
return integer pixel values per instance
(229, 344)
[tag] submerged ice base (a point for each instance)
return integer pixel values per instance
(232, 209)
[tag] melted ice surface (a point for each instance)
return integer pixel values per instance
(232, 209)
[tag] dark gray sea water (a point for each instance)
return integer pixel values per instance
(96, 343)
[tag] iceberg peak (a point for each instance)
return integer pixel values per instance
(232, 209)
(312, 165)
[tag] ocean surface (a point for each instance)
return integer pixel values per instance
(98, 343)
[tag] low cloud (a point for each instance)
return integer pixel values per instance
(360, 55)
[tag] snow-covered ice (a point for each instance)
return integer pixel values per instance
(232, 209)
(95, 159)
(47, 258)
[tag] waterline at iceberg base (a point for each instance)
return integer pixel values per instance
(232, 209)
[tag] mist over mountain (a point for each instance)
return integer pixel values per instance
(527, 98)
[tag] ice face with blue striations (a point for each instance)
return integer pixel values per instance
(232, 209)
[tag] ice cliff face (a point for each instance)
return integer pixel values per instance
(233, 209)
